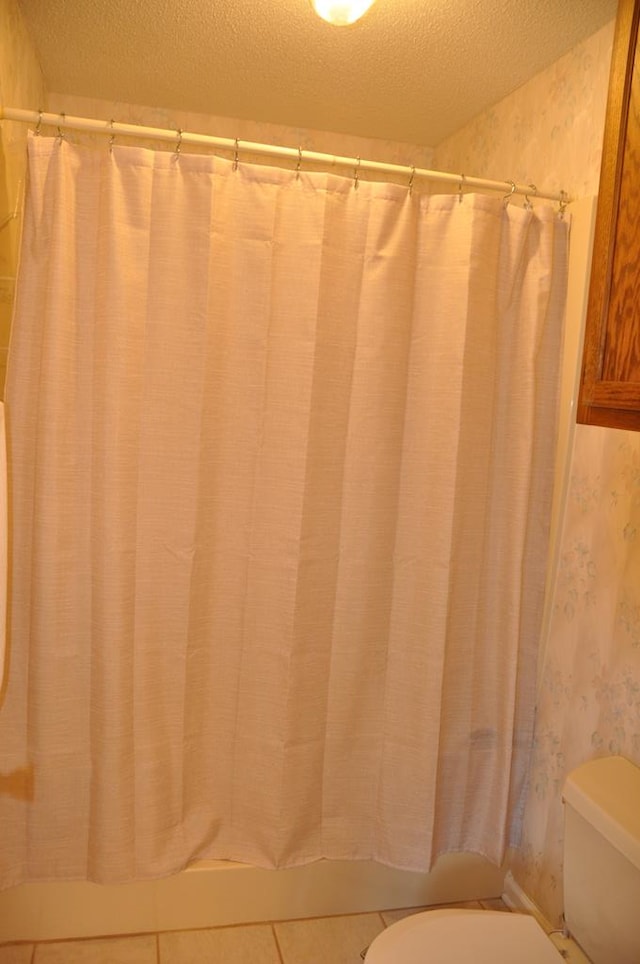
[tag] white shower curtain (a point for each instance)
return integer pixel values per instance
(280, 461)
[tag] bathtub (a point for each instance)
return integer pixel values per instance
(214, 893)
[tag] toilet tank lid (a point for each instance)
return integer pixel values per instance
(606, 793)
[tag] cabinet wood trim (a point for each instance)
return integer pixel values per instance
(600, 402)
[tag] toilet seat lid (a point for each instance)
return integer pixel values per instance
(458, 936)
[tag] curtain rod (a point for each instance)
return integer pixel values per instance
(184, 138)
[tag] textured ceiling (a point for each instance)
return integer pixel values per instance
(410, 70)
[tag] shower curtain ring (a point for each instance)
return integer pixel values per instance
(236, 153)
(463, 178)
(60, 131)
(508, 196)
(527, 200)
(413, 174)
(178, 144)
(356, 173)
(39, 124)
(299, 163)
(564, 200)
(112, 138)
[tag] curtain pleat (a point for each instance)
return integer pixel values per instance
(281, 454)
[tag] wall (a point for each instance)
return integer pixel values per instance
(589, 700)
(253, 131)
(548, 132)
(21, 85)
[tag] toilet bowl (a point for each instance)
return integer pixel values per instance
(457, 936)
(601, 890)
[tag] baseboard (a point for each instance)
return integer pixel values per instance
(516, 899)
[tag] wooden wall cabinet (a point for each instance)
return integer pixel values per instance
(610, 383)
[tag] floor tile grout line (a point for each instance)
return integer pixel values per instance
(485, 904)
(277, 943)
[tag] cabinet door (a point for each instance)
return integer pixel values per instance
(610, 384)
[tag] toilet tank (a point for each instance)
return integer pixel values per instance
(602, 859)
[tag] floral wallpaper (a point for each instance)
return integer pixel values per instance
(550, 132)
(589, 700)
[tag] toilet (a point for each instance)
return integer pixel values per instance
(601, 890)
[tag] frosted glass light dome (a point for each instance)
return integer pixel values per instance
(341, 12)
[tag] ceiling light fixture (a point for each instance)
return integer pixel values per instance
(341, 12)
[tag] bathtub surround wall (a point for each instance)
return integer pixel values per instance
(21, 84)
(589, 699)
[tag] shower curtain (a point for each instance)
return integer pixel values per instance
(281, 453)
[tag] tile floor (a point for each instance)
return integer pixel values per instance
(326, 940)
